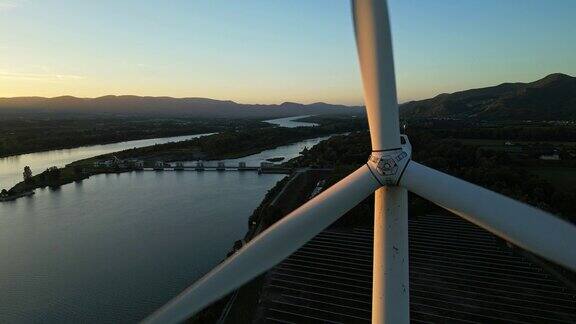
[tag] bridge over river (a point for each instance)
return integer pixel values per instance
(264, 167)
(222, 168)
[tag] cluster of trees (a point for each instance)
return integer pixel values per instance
(27, 174)
(232, 144)
(338, 121)
(52, 177)
(33, 135)
(495, 170)
(509, 132)
(52, 173)
(242, 141)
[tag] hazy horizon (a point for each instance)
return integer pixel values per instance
(271, 52)
(257, 103)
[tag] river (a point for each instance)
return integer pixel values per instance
(291, 122)
(115, 247)
(11, 167)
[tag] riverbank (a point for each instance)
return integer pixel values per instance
(81, 242)
(228, 145)
(53, 178)
(287, 195)
(94, 143)
(11, 168)
(7, 197)
(22, 136)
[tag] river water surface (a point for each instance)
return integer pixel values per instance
(291, 122)
(11, 167)
(114, 248)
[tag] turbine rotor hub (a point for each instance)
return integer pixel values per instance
(388, 166)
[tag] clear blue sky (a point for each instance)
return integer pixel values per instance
(269, 51)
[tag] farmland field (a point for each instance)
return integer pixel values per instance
(563, 178)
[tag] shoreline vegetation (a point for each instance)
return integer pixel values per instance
(6, 197)
(288, 194)
(225, 145)
(40, 134)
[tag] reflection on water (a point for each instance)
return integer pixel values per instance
(115, 247)
(288, 152)
(11, 168)
(290, 122)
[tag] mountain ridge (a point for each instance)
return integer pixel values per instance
(550, 98)
(163, 105)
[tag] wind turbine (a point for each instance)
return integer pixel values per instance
(390, 173)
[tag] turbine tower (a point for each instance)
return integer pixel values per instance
(389, 172)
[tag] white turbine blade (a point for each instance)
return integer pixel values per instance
(516, 222)
(374, 43)
(270, 247)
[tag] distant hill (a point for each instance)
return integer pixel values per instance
(162, 106)
(551, 98)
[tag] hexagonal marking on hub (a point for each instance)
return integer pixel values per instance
(386, 166)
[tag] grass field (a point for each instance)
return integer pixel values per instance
(499, 145)
(490, 142)
(496, 145)
(563, 178)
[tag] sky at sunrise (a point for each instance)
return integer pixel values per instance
(270, 51)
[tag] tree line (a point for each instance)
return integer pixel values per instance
(495, 170)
